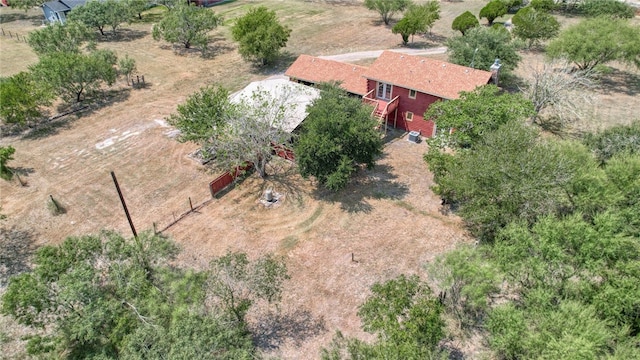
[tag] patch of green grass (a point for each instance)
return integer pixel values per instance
(289, 242)
(316, 214)
(405, 205)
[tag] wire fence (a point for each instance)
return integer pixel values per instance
(14, 35)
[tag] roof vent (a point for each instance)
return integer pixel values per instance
(313, 59)
(422, 61)
(401, 56)
(444, 65)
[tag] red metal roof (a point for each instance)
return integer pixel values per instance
(426, 75)
(315, 70)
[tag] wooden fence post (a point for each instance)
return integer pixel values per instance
(190, 204)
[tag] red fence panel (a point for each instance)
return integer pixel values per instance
(284, 152)
(227, 178)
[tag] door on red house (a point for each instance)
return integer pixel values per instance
(384, 91)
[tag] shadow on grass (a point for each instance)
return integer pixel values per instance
(279, 176)
(273, 329)
(68, 114)
(122, 35)
(7, 18)
(16, 248)
(217, 46)
(378, 183)
(620, 82)
(280, 65)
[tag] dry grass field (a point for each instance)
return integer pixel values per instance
(389, 219)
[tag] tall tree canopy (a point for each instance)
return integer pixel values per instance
(58, 37)
(187, 24)
(387, 8)
(417, 19)
(105, 296)
(597, 41)
(100, 14)
(73, 75)
(260, 35)
(338, 135)
(476, 113)
(493, 10)
(23, 98)
(480, 46)
(608, 8)
(533, 26)
(464, 22)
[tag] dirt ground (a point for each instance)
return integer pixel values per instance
(388, 219)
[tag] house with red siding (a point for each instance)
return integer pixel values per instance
(400, 87)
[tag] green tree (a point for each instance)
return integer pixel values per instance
(260, 35)
(417, 19)
(609, 8)
(510, 175)
(476, 113)
(6, 154)
(256, 122)
(136, 7)
(187, 25)
(404, 315)
(57, 37)
(203, 116)
(543, 5)
(93, 14)
(73, 75)
(116, 12)
(493, 10)
(237, 282)
(615, 140)
(126, 66)
(480, 46)
(26, 4)
(23, 99)
(338, 135)
(597, 41)
(387, 8)
(97, 299)
(532, 25)
(464, 22)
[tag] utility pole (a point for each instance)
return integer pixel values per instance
(124, 205)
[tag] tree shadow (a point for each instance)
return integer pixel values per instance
(123, 35)
(377, 183)
(620, 82)
(7, 18)
(280, 65)
(272, 329)
(67, 114)
(279, 180)
(16, 248)
(218, 45)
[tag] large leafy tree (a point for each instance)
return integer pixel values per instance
(597, 41)
(533, 25)
(58, 37)
(417, 19)
(493, 10)
(510, 175)
(338, 135)
(202, 117)
(464, 22)
(73, 75)
(404, 315)
(480, 46)
(260, 35)
(615, 141)
(105, 296)
(93, 14)
(476, 113)
(23, 98)
(187, 25)
(387, 8)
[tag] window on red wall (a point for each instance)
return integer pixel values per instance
(409, 116)
(384, 91)
(412, 94)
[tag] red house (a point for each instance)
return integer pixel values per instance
(399, 86)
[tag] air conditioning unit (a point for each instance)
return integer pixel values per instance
(414, 137)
